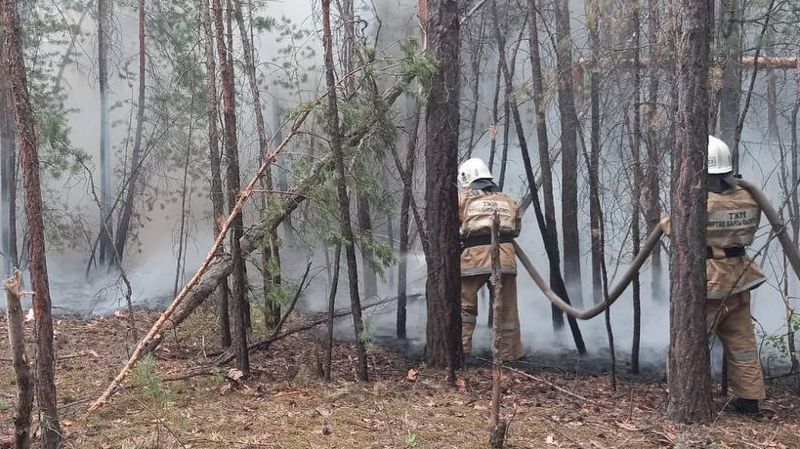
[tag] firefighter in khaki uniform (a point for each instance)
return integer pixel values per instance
(733, 219)
(477, 203)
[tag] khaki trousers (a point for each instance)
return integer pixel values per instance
(730, 321)
(510, 342)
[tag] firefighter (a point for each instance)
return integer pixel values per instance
(479, 199)
(733, 219)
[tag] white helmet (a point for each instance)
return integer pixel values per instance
(472, 170)
(719, 157)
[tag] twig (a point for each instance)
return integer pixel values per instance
(549, 384)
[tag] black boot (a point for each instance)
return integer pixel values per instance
(746, 407)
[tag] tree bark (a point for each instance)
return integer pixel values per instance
(344, 199)
(16, 340)
(106, 255)
(37, 263)
(233, 184)
(689, 373)
(730, 29)
(443, 337)
(8, 168)
(271, 249)
(544, 162)
(594, 155)
(127, 207)
(326, 368)
(217, 196)
(637, 189)
(569, 154)
(405, 205)
(651, 186)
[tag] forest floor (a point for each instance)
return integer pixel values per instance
(165, 404)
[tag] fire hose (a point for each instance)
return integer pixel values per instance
(778, 228)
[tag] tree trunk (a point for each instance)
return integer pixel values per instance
(651, 195)
(569, 154)
(689, 372)
(344, 199)
(37, 263)
(405, 205)
(594, 155)
(544, 163)
(326, 368)
(730, 29)
(443, 337)
(8, 169)
(495, 118)
(476, 58)
(238, 301)
(548, 243)
(217, 196)
(637, 189)
(106, 255)
(272, 310)
(16, 340)
(127, 207)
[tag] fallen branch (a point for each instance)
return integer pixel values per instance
(244, 195)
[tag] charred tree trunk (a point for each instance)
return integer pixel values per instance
(8, 168)
(217, 196)
(22, 371)
(651, 192)
(443, 337)
(594, 156)
(136, 155)
(405, 205)
(238, 301)
(637, 189)
(106, 255)
(569, 154)
(476, 58)
(548, 243)
(689, 373)
(545, 164)
(37, 263)
(495, 118)
(344, 199)
(730, 30)
(326, 368)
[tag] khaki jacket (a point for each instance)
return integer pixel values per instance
(475, 211)
(733, 219)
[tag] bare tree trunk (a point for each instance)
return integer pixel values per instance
(8, 169)
(238, 301)
(217, 196)
(548, 243)
(569, 154)
(443, 337)
(272, 310)
(106, 255)
(637, 187)
(16, 340)
(594, 155)
(405, 205)
(652, 200)
(326, 368)
(689, 372)
(544, 163)
(37, 264)
(498, 426)
(730, 29)
(495, 118)
(476, 58)
(344, 199)
(136, 155)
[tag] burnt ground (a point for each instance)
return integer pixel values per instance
(551, 401)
